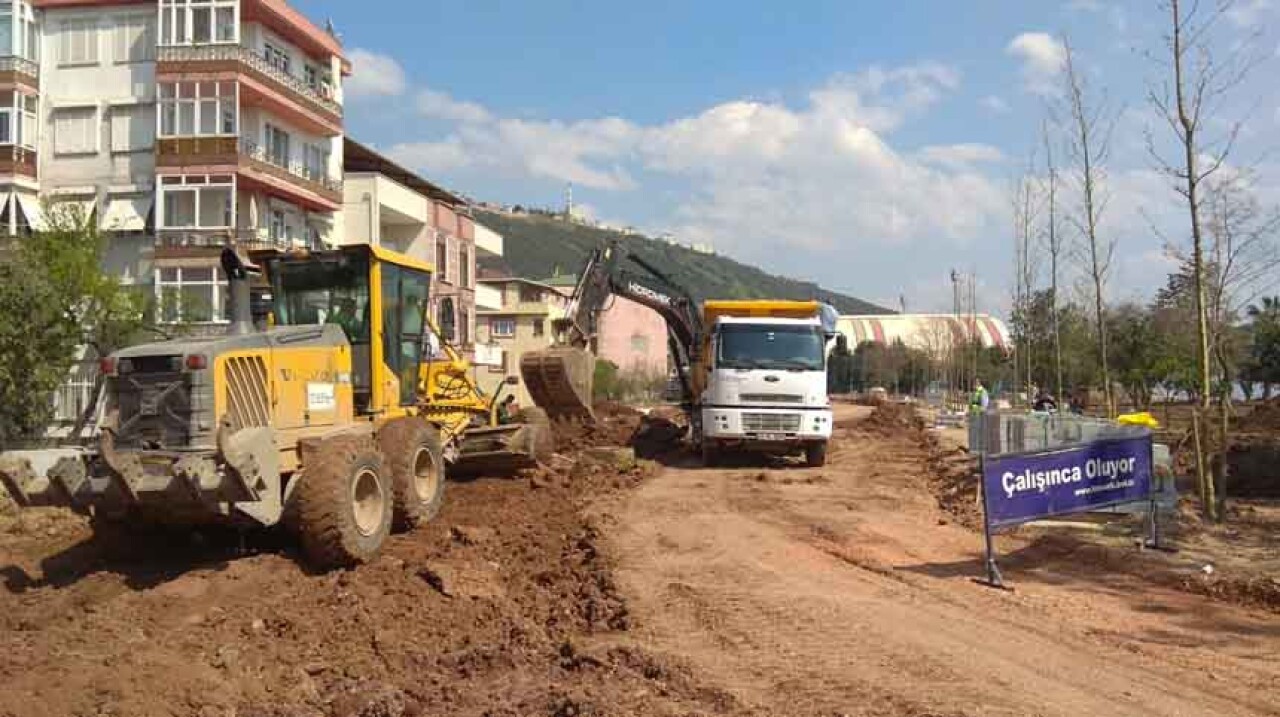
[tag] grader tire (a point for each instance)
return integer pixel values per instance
(415, 458)
(344, 504)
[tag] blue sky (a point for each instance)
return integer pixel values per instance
(869, 146)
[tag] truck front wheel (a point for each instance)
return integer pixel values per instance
(815, 455)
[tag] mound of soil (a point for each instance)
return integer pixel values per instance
(893, 419)
(503, 605)
(1265, 417)
(615, 424)
(953, 480)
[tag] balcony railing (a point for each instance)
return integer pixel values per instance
(322, 94)
(214, 238)
(315, 175)
(16, 159)
(13, 63)
(230, 149)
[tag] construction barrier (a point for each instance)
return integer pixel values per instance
(1036, 466)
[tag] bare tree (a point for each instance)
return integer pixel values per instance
(1053, 242)
(1091, 123)
(1196, 90)
(1025, 210)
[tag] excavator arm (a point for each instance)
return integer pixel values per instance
(560, 379)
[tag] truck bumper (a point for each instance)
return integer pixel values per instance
(766, 429)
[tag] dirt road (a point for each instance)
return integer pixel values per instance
(597, 590)
(844, 590)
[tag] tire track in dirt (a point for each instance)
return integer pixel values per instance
(838, 591)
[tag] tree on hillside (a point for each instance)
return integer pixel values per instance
(1198, 80)
(1091, 122)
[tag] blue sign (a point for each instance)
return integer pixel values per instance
(1023, 487)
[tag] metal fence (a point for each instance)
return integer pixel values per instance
(73, 398)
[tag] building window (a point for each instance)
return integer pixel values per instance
(75, 130)
(78, 42)
(197, 202)
(277, 225)
(277, 58)
(132, 128)
(197, 109)
(311, 76)
(442, 259)
(191, 294)
(502, 328)
(464, 268)
(187, 22)
(539, 327)
(448, 321)
(135, 39)
(464, 332)
(21, 40)
(315, 161)
(277, 146)
(530, 294)
(639, 343)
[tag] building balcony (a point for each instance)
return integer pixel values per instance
(254, 166)
(312, 108)
(16, 160)
(19, 71)
(202, 242)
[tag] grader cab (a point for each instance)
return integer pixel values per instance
(339, 419)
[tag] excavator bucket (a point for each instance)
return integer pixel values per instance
(560, 380)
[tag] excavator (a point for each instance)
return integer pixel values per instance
(751, 373)
(338, 418)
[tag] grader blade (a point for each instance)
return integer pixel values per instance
(503, 450)
(560, 380)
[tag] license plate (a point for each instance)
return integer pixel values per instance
(773, 436)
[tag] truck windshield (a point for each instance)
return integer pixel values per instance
(323, 292)
(771, 347)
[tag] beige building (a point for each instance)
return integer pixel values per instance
(521, 323)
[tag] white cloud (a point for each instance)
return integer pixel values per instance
(439, 105)
(994, 104)
(1042, 57)
(374, 75)
(756, 177)
(1249, 13)
(960, 155)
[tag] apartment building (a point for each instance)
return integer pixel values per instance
(387, 205)
(629, 334)
(178, 126)
(521, 323)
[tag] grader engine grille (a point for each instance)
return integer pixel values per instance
(155, 409)
(246, 392)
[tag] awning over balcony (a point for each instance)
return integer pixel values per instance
(31, 210)
(127, 213)
(80, 209)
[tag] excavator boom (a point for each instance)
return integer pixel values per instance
(561, 379)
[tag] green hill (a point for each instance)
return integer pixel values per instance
(537, 247)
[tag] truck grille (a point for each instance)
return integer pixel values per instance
(246, 392)
(771, 422)
(771, 398)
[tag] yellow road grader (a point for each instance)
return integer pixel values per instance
(339, 419)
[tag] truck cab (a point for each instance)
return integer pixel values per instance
(764, 380)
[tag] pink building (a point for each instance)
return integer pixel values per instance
(631, 336)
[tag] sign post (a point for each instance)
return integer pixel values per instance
(1021, 487)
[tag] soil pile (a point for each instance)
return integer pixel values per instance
(953, 480)
(1264, 418)
(893, 419)
(615, 424)
(503, 605)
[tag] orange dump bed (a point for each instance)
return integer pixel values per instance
(759, 308)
